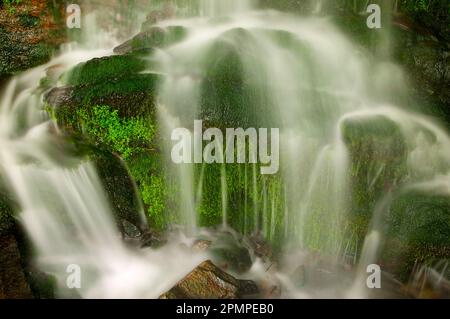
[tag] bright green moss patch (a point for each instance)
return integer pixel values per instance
(147, 170)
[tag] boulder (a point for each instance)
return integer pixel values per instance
(207, 281)
(152, 239)
(229, 252)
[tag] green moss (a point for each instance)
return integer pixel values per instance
(153, 195)
(417, 218)
(147, 170)
(123, 136)
(378, 156)
(29, 21)
(230, 97)
(416, 5)
(156, 37)
(104, 69)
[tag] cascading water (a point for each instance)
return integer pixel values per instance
(303, 76)
(299, 74)
(307, 92)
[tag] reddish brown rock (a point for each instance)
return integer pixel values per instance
(207, 281)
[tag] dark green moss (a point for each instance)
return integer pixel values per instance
(417, 232)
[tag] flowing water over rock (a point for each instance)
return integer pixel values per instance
(303, 76)
(339, 115)
(63, 205)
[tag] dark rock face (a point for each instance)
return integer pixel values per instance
(427, 62)
(60, 96)
(228, 250)
(207, 281)
(121, 191)
(19, 278)
(116, 81)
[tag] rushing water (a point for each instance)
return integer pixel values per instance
(311, 81)
(304, 77)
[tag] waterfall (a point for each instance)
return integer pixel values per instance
(252, 69)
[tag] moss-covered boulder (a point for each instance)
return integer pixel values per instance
(378, 154)
(207, 281)
(418, 232)
(229, 252)
(116, 81)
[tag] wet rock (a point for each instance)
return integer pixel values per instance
(229, 252)
(148, 39)
(13, 281)
(207, 281)
(152, 239)
(120, 189)
(201, 245)
(99, 70)
(137, 90)
(154, 37)
(426, 59)
(130, 230)
(60, 96)
(24, 36)
(117, 183)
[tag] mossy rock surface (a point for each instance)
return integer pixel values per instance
(17, 55)
(417, 233)
(116, 81)
(103, 69)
